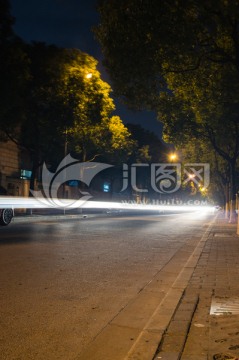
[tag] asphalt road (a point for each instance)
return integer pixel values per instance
(63, 281)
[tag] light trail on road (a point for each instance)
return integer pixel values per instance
(44, 203)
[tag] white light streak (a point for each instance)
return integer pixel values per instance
(35, 203)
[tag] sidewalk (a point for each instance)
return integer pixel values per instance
(208, 328)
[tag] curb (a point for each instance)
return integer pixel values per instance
(136, 332)
(33, 218)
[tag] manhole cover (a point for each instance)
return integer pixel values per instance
(224, 306)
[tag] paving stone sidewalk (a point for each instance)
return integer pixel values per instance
(205, 324)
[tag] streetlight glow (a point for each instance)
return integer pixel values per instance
(172, 157)
(88, 76)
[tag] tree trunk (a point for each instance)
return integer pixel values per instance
(227, 201)
(238, 216)
(33, 177)
(232, 218)
(35, 166)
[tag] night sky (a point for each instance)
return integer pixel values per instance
(68, 23)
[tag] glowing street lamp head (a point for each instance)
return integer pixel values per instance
(172, 157)
(88, 76)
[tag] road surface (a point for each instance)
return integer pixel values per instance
(64, 282)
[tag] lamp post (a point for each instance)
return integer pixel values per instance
(65, 154)
(237, 208)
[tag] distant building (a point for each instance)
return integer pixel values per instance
(14, 169)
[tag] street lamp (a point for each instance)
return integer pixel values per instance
(172, 157)
(88, 76)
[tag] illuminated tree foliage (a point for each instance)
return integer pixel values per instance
(93, 132)
(68, 109)
(54, 101)
(197, 151)
(182, 59)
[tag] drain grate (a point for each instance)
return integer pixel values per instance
(224, 306)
